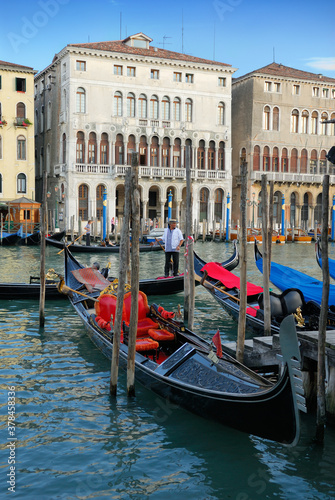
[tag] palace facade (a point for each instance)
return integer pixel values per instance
(96, 103)
(278, 124)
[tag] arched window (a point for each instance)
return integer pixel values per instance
(83, 202)
(21, 183)
(294, 161)
(176, 109)
(142, 106)
(21, 148)
(303, 161)
(143, 148)
(99, 200)
(275, 160)
(119, 150)
(295, 121)
(154, 107)
(218, 204)
(166, 152)
(313, 163)
(315, 119)
(154, 151)
(221, 113)
(165, 108)
(304, 122)
(323, 162)
(104, 149)
(80, 100)
(20, 110)
(332, 129)
(118, 104)
(201, 155)
(304, 210)
(131, 148)
(324, 117)
(221, 165)
(177, 153)
(266, 159)
(256, 158)
(131, 105)
(275, 118)
(204, 197)
(80, 147)
(49, 116)
(284, 160)
(266, 118)
(92, 148)
(188, 110)
(211, 156)
(64, 148)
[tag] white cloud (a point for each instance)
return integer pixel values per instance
(326, 63)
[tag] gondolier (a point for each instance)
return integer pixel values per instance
(173, 240)
(88, 232)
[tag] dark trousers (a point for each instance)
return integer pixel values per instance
(88, 239)
(175, 258)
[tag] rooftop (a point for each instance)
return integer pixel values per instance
(279, 70)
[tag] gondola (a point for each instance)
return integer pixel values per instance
(180, 366)
(75, 248)
(284, 277)
(9, 239)
(225, 289)
(331, 262)
(150, 286)
(35, 238)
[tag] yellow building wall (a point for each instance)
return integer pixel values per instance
(10, 166)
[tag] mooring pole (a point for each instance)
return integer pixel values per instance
(189, 292)
(321, 375)
(243, 273)
(44, 229)
(123, 265)
(265, 248)
(135, 273)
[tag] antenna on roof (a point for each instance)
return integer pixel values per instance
(274, 55)
(164, 42)
(120, 24)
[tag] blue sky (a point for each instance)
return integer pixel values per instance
(247, 34)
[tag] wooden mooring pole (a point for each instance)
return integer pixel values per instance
(265, 247)
(123, 266)
(243, 261)
(135, 273)
(44, 230)
(321, 375)
(189, 288)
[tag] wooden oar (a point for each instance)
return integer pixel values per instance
(160, 244)
(208, 285)
(67, 246)
(62, 288)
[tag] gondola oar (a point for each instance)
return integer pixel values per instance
(171, 261)
(70, 244)
(208, 285)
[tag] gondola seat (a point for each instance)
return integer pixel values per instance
(161, 335)
(144, 323)
(275, 305)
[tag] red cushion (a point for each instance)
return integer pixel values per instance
(146, 344)
(161, 334)
(252, 310)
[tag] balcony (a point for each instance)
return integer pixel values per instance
(22, 122)
(91, 168)
(166, 173)
(60, 169)
(311, 178)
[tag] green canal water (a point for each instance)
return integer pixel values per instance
(71, 440)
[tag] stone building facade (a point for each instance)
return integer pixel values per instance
(96, 103)
(17, 173)
(277, 116)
